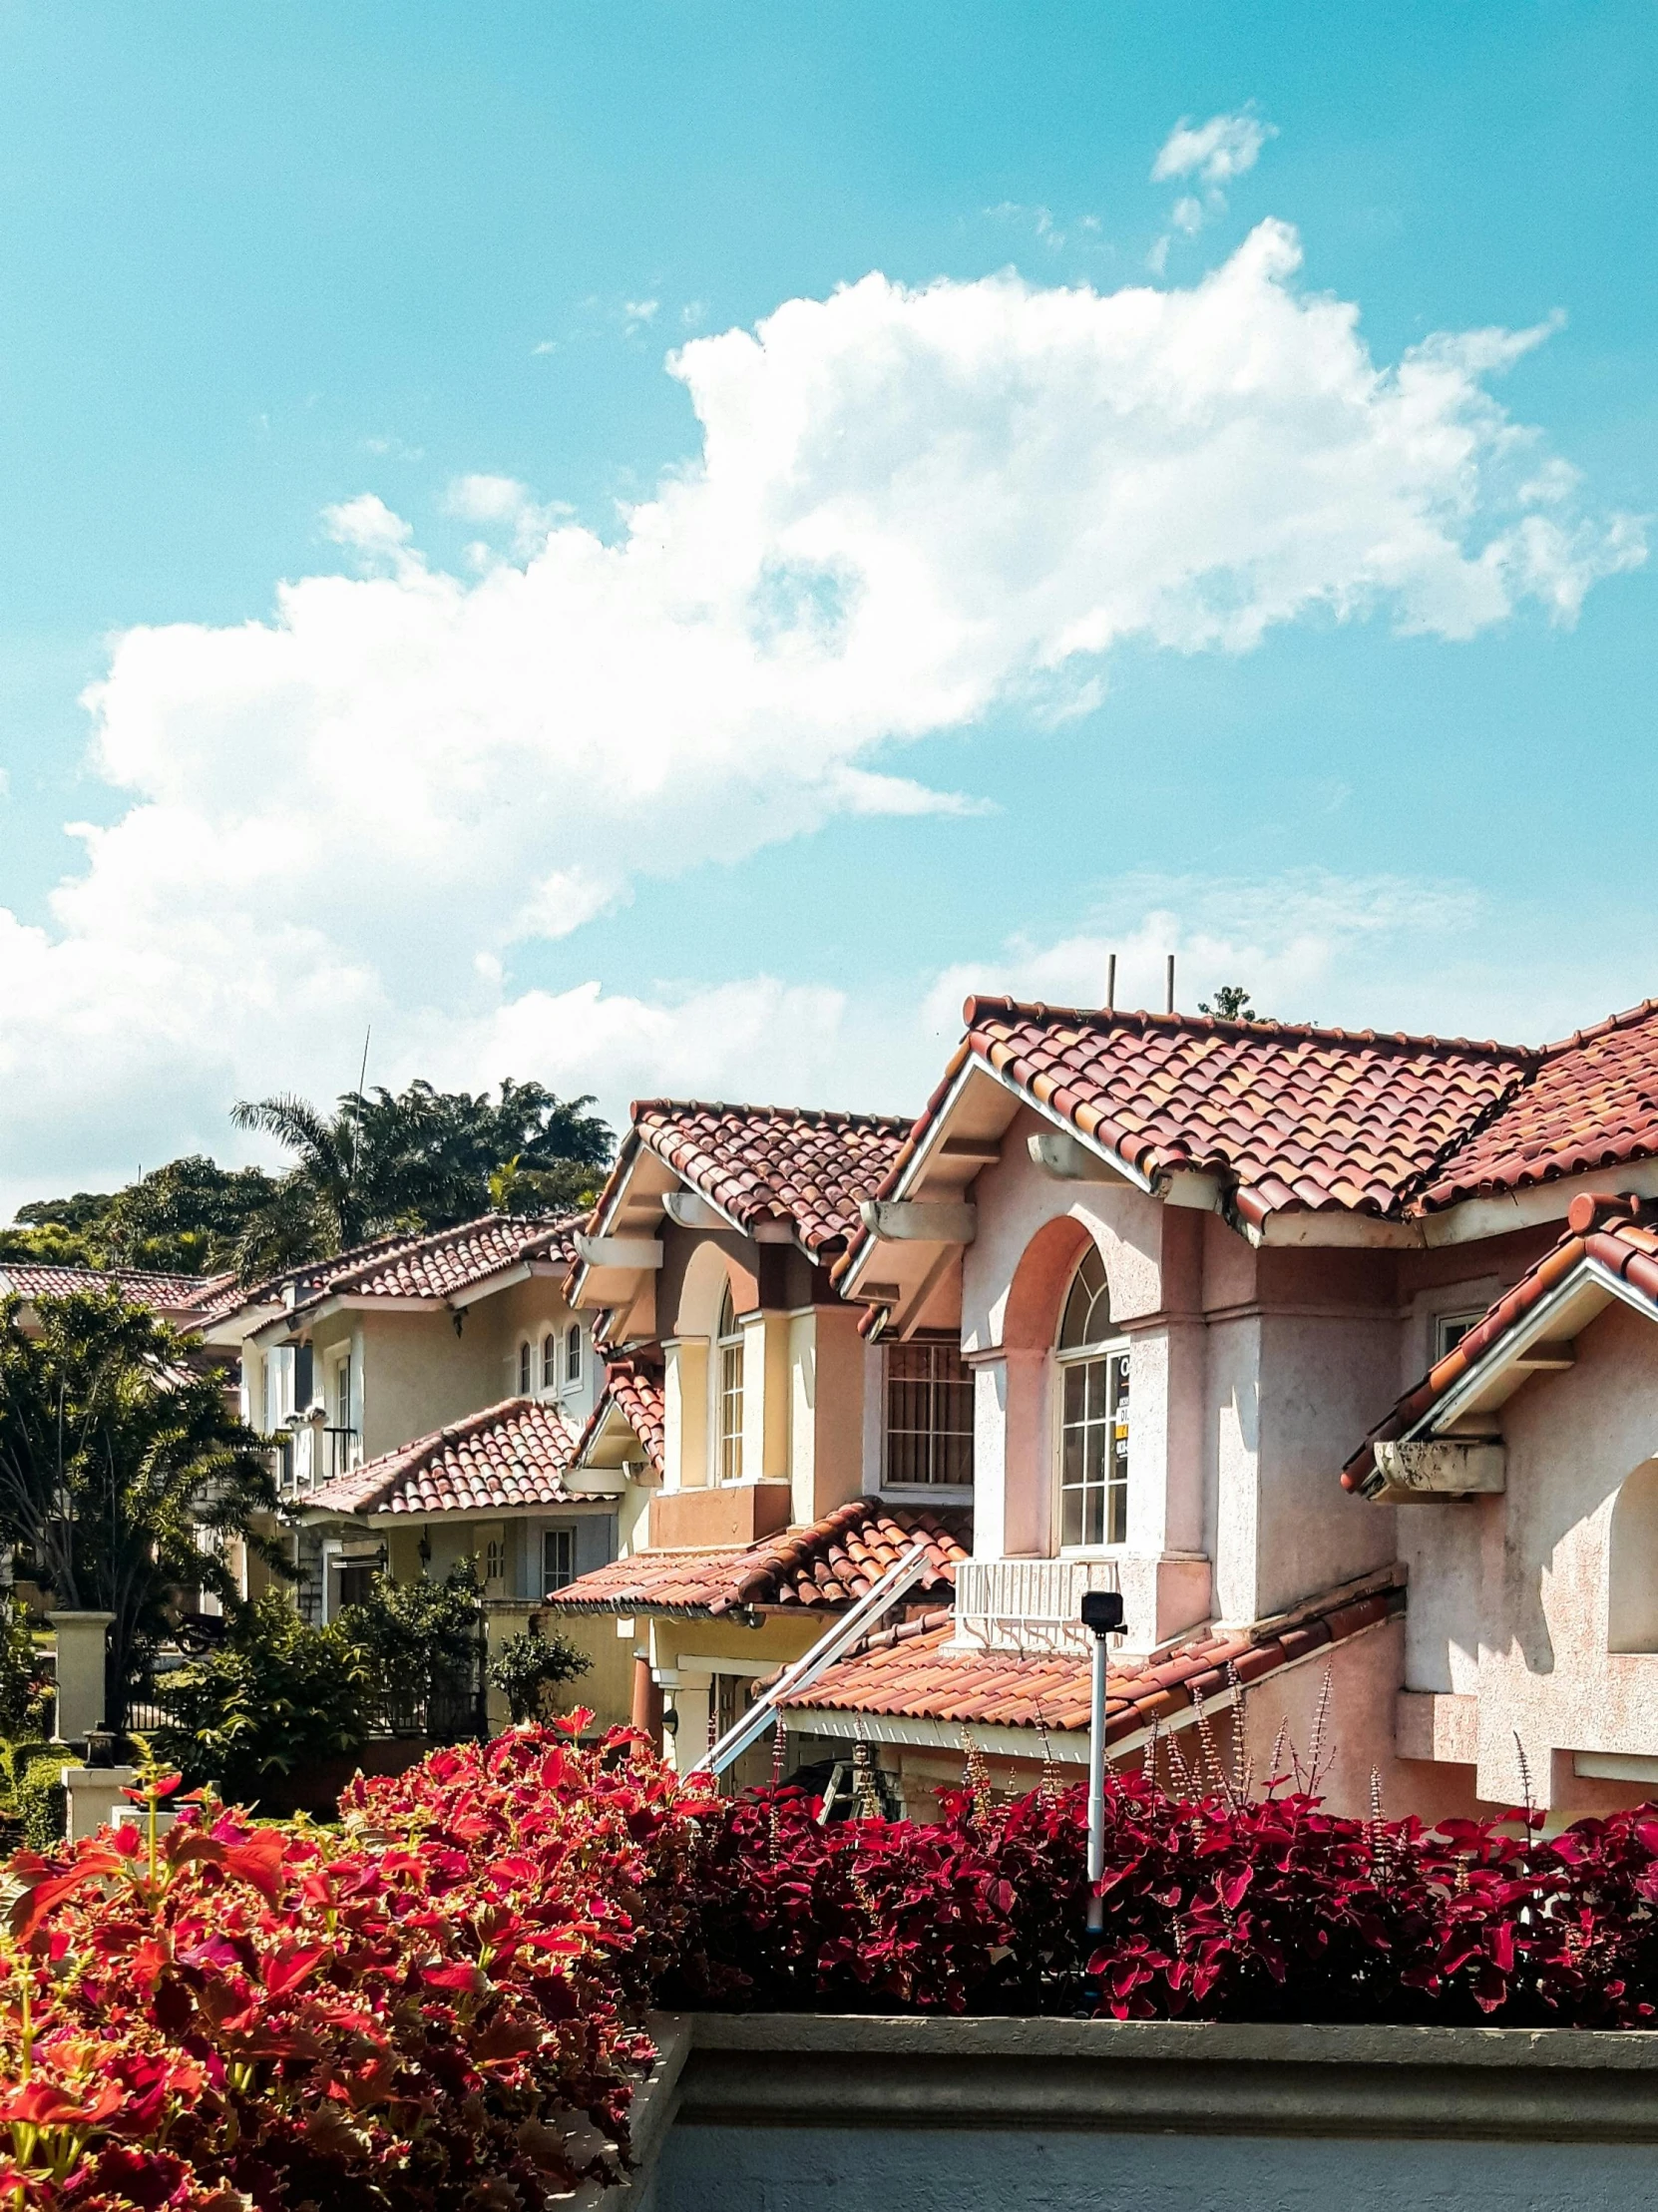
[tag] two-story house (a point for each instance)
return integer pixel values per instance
(789, 1460)
(427, 1395)
(1186, 1258)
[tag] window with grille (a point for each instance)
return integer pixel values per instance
(573, 1353)
(494, 1561)
(929, 1415)
(557, 1560)
(730, 1422)
(1094, 1414)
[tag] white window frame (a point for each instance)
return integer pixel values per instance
(550, 1363)
(1460, 1320)
(1110, 1353)
(573, 1356)
(728, 1391)
(566, 1534)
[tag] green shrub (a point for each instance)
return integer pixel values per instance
(32, 1775)
(278, 1697)
(418, 1641)
(526, 1666)
(25, 1679)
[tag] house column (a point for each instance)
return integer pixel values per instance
(646, 1715)
(765, 1396)
(82, 1639)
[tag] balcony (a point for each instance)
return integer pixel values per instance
(1034, 1606)
(1031, 1605)
(311, 1454)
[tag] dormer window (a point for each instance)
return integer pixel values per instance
(728, 1407)
(1094, 1414)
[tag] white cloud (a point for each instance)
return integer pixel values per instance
(1215, 152)
(908, 507)
(638, 313)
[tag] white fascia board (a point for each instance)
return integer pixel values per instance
(520, 1272)
(368, 1301)
(695, 1189)
(935, 1735)
(290, 1321)
(1475, 1219)
(922, 1159)
(1539, 1325)
(585, 1508)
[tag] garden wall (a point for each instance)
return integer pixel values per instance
(792, 2113)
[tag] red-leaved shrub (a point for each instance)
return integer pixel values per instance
(437, 2008)
(422, 2009)
(1218, 1907)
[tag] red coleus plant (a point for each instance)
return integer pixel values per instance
(427, 2008)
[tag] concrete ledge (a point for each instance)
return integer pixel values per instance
(771, 2070)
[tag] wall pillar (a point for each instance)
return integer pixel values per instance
(82, 1642)
(646, 1716)
(685, 1413)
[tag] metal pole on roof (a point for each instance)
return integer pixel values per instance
(1171, 1008)
(1102, 1617)
(1110, 982)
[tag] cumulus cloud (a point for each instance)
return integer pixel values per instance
(908, 506)
(1215, 152)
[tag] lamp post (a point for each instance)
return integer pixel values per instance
(1102, 1617)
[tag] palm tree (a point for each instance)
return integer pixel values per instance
(324, 1181)
(123, 1473)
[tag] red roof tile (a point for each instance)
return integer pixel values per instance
(828, 1564)
(513, 1454)
(172, 1295)
(1289, 1117)
(438, 1265)
(634, 1387)
(1617, 1233)
(1592, 1103)
(768, 1163)
(912, 1673)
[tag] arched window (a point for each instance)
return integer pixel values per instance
(524, 1377)
(573, 1353)
(1093, 1413)
(550, 1361)
(728, 1411)
(1632, 1562)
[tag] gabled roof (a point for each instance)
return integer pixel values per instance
(826, 1565)
(1610, 1250)
(518, 1452)
(1591, 1103)
(1291, 1120)
(913, 1672)
(633, 1396)
(173, 1296)
(804, 1169)
(438, 1265)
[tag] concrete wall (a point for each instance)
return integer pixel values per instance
(823, 2113)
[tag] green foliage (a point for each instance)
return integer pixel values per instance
(123, 1470)
(418, 1640)
(422, 1158)
(31, 1775)
(278, 1697)
(189, 1217)
(528, 1667)
(24, 1688)
(1230, 1004)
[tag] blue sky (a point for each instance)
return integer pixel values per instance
(260, 267)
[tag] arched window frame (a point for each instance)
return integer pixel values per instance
(526, 1368)
(550, 1361)
(573, 1353)
(728, 1356)
(1091, 1397)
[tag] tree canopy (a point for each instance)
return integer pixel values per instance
(123, 1473)
(416, 1160)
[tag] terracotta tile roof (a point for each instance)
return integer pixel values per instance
(1289, 1117)
(769, 1164)
(825, 1564)
(1621, 1234)
(1592, 1103)
(166, 1294)
(634, 1387)
(447, 1260)
(513, 1454)
(911, 1672)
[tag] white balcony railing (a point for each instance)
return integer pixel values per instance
(1028, 1605)
(311, 1454)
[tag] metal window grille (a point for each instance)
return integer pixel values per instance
(929, 1415)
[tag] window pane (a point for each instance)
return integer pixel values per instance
(1094, 1518)
(1077, 1393)
(560, 1558)
(1071, 1517)
(573, 1355)
(1088, 1313)
(929, 1415)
